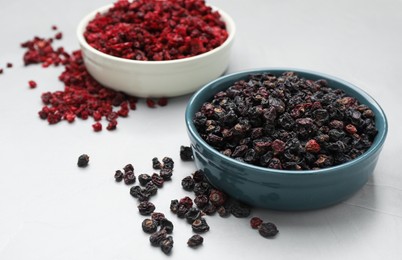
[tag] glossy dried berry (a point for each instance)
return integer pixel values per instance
(146, 207)
(255, 222)
(156, 164)
(83, 160)
(268, 229)
(156, 238)
(186, 201)
(144, 178)
(157, 180)
(166, 174)
(192, 214)
(188, 183)
(149, 226)
(195, 241)
(128, 168)
(118, 176)
(186, 153)
(151, 188)
(167, 225)
(167, 244)
(32, 84)
(129, 177)
(168, 163)
(200, 225)
(201, 201)
(217, 197)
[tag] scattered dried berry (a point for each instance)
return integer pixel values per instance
(128, 168)
(146, 207)
(239, 209)
(200, 225)
(168, 163)
(58, 36)
(118, 176)
(156, 163)
(144, 178)
(157, 180)
(188, 183)
(217, 197)
(268, 229)
(186, 153)
(198, 176)
(167, 244)
(167, 225)
(157, 217)
(129, 177)
(1, 70)
(9, 65)
(174, 205)
(151, 188)
(201, 201)
(32, 84)
(192, 214)
(166, 174)
(195, 241)
(157, 237)
(97, 127)
(83, 160)
(149, 226)
(162, 102)
(255, 222)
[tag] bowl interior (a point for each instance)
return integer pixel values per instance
(208, 91)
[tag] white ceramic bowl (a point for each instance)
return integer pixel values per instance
(156, 78)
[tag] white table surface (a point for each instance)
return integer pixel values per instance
(51, 209)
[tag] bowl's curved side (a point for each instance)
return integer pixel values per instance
(280, 189)
(156, 78)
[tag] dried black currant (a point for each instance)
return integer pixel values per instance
(188, 183)
(239, 210)
(83, 160)
(168, 163)
(195, 240)
(174, 205)
(149, 226)
(166, 173)
(167, 244)
(144, 178)
(156, 163)
(157, 180)
(129, 178)
(157, 237)
(167, 225)
(118, 176)
(146, 207)
(151, 188)
(186, 153)
(268, 229)
(128, 168)
(200, 225)
(192, 214)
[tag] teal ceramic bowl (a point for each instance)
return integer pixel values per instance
(284, 189)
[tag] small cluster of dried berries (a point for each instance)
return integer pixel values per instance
(266, 229)
(148, 187)
(83, 96)
(286, 122)
(8, 65)
(127, 174)
(156, 30)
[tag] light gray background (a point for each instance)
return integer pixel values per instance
(51, 209)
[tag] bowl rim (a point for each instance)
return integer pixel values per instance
(376, 146)
(230, 27)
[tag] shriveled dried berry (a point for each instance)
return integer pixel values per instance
(201, 201)
(156, 164)
(188, 183)
(167, 244)
(217, 197)
(223, 212)
(97, 127)
(255, 222)
(187, 201)
(174, 205)
(129, 177)
(157, 217)
(198, 176)
(192, 214)
(157, 237)
(151, 188)
(182, 210)
(157, 180)
(168, 163)
(195, 241)
(149, 226)
(167, 225)
(118, 176)
(268, 229)
(83, 160)
(166, 174)
(9, 65)
(128, 168)
(200, 225)
(146, 207)
(239, 209)
(144, 178)
(202, 188)
(209, 209)
(186, 153)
